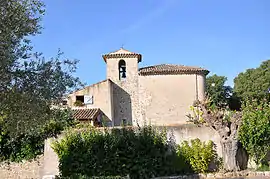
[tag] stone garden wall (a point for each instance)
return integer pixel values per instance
(47, 165)
(23, 170)
(180, 132)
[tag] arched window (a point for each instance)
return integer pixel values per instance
(122, 70)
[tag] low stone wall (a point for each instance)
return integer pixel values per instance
(51, 161)
(47, 165)
(180, 132)
(229, 175)
(22, 170)
(190, 131)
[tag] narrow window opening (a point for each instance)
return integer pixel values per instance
(124, 122)
(79, 101)
(122, 70)
(80, 98)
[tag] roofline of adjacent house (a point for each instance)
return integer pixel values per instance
(187, 70)
(191, 72)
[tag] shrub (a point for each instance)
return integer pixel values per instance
(255, 130)
(25, 146)
(86, 177)
(198, 154)
(78, 103)
(141, 153)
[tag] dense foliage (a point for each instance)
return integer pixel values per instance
(199, 154)
(255, 130)
(87, 177)
(29, 83)
(254, 83)
(28, 145)
(101, 177)
(217, 90)
(140, 153)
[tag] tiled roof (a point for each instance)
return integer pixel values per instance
(122, 53)
(168, 69)
(85, 113)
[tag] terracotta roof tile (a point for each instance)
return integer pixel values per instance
(168, 69)
(81, 114)
(122, 53)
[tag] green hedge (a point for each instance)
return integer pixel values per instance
(139, 153)
(87, 177)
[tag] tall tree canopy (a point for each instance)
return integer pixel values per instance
(18, 20)
(217, 91)
(254, 83)
(29, 83)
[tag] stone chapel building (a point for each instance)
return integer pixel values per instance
(160, 94)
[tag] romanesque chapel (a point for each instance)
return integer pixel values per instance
(160, 94)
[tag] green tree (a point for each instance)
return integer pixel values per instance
(218, 92)
(29, 83)
(255, 130)
(254, 83)
(18, 20)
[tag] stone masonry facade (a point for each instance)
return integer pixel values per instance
(160, 94)
(24, 170)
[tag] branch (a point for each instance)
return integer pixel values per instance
(224, 122)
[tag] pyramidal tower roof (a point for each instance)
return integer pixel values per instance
(122, 53)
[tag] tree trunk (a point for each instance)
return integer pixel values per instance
(229, 152)
(235, 157)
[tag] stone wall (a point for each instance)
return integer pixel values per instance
(181, 133)
(229, 175)
(47, 165)
(165, 99)
(125, 92)
(122, 105)
(23, 170)
(191, 131)
(50, 163)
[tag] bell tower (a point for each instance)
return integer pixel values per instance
(122, 70)
(122, 65)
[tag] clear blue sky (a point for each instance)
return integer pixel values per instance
(224, 36)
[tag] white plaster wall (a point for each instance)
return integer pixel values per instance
(166, 99)
(201, 83)
(101, 93)
(190, 131)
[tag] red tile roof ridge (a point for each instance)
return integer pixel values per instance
(163, 69)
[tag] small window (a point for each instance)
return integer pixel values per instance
(124, 122)
(80, 98)
(122, 70)
(79, 101)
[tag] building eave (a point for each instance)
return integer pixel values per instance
(122, 55)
